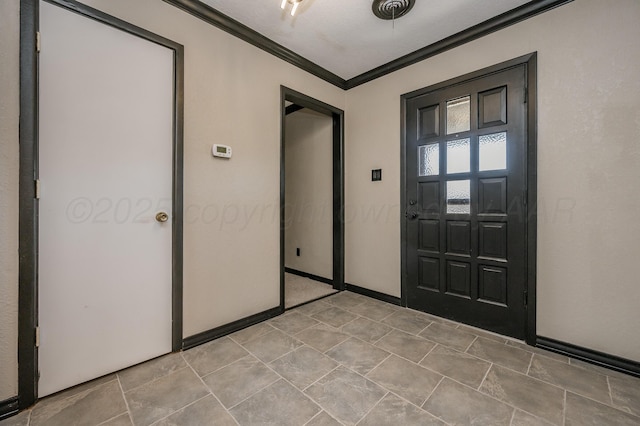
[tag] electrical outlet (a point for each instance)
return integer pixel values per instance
(298, 251)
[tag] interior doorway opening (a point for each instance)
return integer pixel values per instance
(311, 200)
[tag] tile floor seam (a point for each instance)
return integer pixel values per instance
(252, 394)
(210, 391)
(530, 364)
(224, 366)
(575, 392)
(428, 352)
(374, 406)
(291, 383)
(230, 336)
(432, 414)
(610, 391)
(485, 376)
(124, 397)
(155, 380)
(180, 409)
(471, 344)
(432, 391)
(115, 417)
(605, 404)
(513, 415)
(320, 378)
(564, 408)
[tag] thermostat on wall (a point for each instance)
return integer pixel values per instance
(223, 151)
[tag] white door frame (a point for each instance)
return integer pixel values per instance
(28, 233)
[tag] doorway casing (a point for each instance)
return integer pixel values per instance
(337, 116)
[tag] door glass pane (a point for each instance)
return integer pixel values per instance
(459, 196)
(493, 152)
(429, 160)
(459, 115)
(459, 156)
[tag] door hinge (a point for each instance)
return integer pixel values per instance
(526, 297)
(37, 337)
(526, 95)
(38, 41)
(37, 188)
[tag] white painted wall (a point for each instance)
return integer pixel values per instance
(309, 192)
(9, 114)
(588, 167)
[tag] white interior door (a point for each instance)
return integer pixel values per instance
(105, 164)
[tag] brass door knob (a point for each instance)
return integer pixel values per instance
(162, 217)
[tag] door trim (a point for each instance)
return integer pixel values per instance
(28, 204)
(530, 63)
(337, 115)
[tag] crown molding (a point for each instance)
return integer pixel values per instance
(225, 23)
(235, 28)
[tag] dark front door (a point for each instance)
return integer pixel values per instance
(465, 171)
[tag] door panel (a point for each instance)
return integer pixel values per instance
(105, 163)
(465, 188)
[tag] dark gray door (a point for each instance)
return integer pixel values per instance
(465, 222)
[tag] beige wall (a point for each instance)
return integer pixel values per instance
(9, 96)
(588, 167)
(232, 96)
(309, 192)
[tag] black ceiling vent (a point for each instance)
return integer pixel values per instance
(392, 9)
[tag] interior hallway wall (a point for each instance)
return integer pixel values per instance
(232, 207)
(9, 146)
(309, 192)
(588, 167)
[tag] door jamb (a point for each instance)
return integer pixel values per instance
(28, 204)
(530, 63)
(337, 115)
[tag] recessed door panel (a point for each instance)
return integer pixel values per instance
(493, 240)
(429, 273)
(492, 196)
(430, 197)
(430, 235)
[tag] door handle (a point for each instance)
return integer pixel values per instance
(411, 215)
(162, 217)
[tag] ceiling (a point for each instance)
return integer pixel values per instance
(347, 39)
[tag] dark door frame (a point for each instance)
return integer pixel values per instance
(530, 63)
(337, 115)
(28, 202)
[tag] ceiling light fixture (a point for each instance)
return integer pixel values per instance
(391, 9)
(294, 5)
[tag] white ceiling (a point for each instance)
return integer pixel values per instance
(346, 38)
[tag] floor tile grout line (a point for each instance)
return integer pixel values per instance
(471, 344)
(320, 378)
(513, 415)
(373, 406)
(124, 397)
(427, 354)
(181, 408)
(610, 391)
(530, 364)
(485, 377)
(230, 336)
(115, 417)
(564, 408)
(600, 402)
(432, 392)
(210, 392)
(155, 380)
